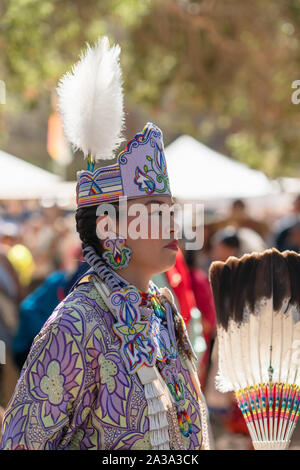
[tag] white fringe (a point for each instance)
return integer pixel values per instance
(163, 447)
(158, 421)
(157, 412)
(153, 390)
(159, 437)
(155, 406)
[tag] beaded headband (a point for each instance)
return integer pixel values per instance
(140, 171)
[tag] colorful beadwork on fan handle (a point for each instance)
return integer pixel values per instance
(257, 401)
(245, 401)
(296, 403)
(284, 401)
(263, 396)
(278, 388)
(287, 406)
(187, 418)
(290, 398)
(270, 389)
(252, 402)
(241, 405)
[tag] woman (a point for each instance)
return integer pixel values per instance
(113, 367)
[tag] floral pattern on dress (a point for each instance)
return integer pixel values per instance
(111, 376)
(13, 433)
(74, 391)
(55, 377)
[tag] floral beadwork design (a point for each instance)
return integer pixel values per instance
(117, 254)
(136, 346)
(151, 177)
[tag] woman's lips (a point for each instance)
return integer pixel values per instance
(173, 246)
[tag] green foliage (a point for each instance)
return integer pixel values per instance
(221, 71)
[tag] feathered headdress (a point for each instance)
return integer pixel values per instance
(91, 107)
(91, 101)
(257, 300)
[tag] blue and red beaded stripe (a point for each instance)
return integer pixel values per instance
(102, 185)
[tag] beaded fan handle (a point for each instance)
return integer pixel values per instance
(271, 412)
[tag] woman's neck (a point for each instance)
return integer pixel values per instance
(136, 276)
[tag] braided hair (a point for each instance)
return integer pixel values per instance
(86, 227)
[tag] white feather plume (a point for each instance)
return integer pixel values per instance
(91, 101)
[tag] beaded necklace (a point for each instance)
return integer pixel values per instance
(167, 368)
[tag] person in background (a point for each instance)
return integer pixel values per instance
(239, 217)
(232, 241)
(205, 303)
(287, 229)
(8, 324)
(17, 254)
(11, 293)
(9, 280)
(1, 419)
(178, 280)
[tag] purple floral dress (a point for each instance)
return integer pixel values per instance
(74, 391)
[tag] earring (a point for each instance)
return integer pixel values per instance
(117, 254)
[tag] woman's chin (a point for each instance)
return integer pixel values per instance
(169, 261)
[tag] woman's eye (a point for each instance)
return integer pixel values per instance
(159, 213)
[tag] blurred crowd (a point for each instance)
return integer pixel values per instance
(40, 259)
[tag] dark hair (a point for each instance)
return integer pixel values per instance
(238, 203)
(86, 227)
(231, 241)
(229, 236)
(190, 258)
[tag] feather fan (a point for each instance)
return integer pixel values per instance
(90, 101)
(257, 300)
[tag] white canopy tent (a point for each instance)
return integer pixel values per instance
(198, 173)
(22, 180)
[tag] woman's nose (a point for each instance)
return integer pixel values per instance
(172, 228)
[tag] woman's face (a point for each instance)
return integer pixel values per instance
(221, 251)
(158, 248)
(151, 233)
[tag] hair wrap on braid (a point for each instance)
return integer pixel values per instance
(86, 227)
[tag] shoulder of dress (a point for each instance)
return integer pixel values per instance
(85, 279)
(78, 303)
(84, 288)
(166, 292)
(71, 316)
